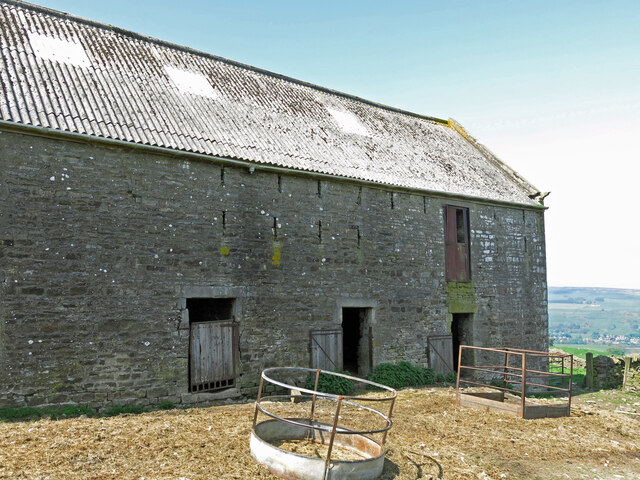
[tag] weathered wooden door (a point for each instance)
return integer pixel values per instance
(457, 265)
(213, 347)
(440, 351)
(326, 349)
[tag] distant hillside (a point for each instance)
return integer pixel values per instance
(594, 315)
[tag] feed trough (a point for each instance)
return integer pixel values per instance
(314, 435)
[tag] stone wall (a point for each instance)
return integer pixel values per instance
(102, 245)
(609, 371)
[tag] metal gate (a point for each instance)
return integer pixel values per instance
(326, 349)
(440, 352)
(213, 355)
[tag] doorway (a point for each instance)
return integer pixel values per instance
(462, 334)
(356, 341)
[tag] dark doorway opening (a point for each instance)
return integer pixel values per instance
(209, 309)
(462, 334)
(356, 341)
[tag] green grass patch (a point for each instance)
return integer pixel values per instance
(166, 406)
(578, 376)
(578, 352)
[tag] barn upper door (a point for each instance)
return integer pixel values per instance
(326, 349)
(457, 262)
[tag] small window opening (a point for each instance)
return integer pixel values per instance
(279, 183)
(222, 176)
(319, 231)
(359, 237)
(224, 221)
(359, 199)
(391, 195)
(319, 188)
(275, 227)
(424, 204)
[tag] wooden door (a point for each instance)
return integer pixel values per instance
(440, 351)
(457, 247)
(213, 352)
(326, 349)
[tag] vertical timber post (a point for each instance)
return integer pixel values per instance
(627, 367)
(588, 379)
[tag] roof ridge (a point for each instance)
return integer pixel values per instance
(176, 46)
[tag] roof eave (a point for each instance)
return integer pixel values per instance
(85, 138)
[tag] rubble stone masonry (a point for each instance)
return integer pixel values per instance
(101, 245)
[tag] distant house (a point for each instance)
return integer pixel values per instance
(174, 222)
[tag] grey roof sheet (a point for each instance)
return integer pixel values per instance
(126, 93)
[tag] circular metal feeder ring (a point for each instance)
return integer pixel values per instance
(362, 454)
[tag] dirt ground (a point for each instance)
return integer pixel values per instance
(431, 438)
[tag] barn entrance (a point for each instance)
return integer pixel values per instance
(357, 340)
(213, 344)
(462, 334)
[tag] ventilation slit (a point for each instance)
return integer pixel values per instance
(319, 231)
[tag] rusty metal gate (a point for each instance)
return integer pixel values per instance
(213, 350)
(440, 352)
(326, 349)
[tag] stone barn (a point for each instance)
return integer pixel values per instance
(173, 222)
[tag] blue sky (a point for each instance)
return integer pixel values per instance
(551, 87)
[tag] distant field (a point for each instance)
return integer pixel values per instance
(582, 350)
(583, 314)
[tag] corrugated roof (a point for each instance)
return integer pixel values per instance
(145, 91)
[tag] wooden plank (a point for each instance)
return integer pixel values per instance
(213, 351)
(546, 411)
(195, 354)
(467, 400)
(326, 349)
(440, 348)
(497, 396)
